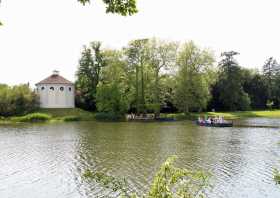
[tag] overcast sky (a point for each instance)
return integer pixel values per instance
(39, 36)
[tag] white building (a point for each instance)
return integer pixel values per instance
(56, 92)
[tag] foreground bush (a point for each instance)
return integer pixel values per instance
(17, 100)
(169, 182)
(276, 176)
(33, 117)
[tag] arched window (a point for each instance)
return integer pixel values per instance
(61, 88)
(42, 88)
(52, 88)
(70, 89)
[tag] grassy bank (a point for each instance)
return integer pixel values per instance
(75, 114)
(52, 115)
(227, 115)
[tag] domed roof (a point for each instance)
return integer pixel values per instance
(55, 78)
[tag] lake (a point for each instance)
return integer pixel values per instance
(48, 160)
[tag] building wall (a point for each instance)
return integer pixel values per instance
(62, 96)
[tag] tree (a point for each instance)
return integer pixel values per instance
(192, 86)
(162, 56)
(255, 86)
(229, 91)
(122, 7)
(88, 75)
(136, 55)
(112, 96)
(270, 70)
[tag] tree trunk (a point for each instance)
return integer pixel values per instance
(157, 100)
(137, 90)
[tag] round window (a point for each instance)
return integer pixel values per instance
(42, 88)
(52, 88)
(61, 88)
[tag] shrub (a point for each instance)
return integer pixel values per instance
(71, 118)
(33, 117)
(111, 101)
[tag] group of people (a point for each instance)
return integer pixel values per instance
(211, 120)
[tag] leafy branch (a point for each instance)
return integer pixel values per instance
(169, 182)
(122, 7)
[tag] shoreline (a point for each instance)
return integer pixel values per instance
(71, 115)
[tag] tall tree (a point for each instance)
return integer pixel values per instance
(230, 93)
(192, 87)
(112, 92)
(162, 56)
(270, 70)
(254, 85)
(88, 75)
(136, 53)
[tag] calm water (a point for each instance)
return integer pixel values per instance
(48, 160)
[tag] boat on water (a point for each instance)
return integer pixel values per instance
(224, 124)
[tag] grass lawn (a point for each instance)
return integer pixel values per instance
(68, 113)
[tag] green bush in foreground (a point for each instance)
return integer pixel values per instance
(276, 176)
(71, 118)
(169, 182)
(33, 117)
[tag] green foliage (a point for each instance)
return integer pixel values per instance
(137, 60)
(122, 7)
(254, 84)
(152, 71)
(192, 86)
(169, 182)
(110, 100)
(71, 118)
(17, 100)
(111, 97)
(88, 76)
(276, 176)
(228, 92)
(33, 117)
(162, 57)
(153, 108)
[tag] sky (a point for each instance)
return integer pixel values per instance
(40, 36)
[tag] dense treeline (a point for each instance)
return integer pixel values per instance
(17, 100)
(153, 76)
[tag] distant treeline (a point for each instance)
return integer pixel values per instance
(153, 76)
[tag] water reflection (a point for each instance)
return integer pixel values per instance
(48, 160)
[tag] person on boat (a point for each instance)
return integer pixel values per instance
(208, 121)
(200, 120)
